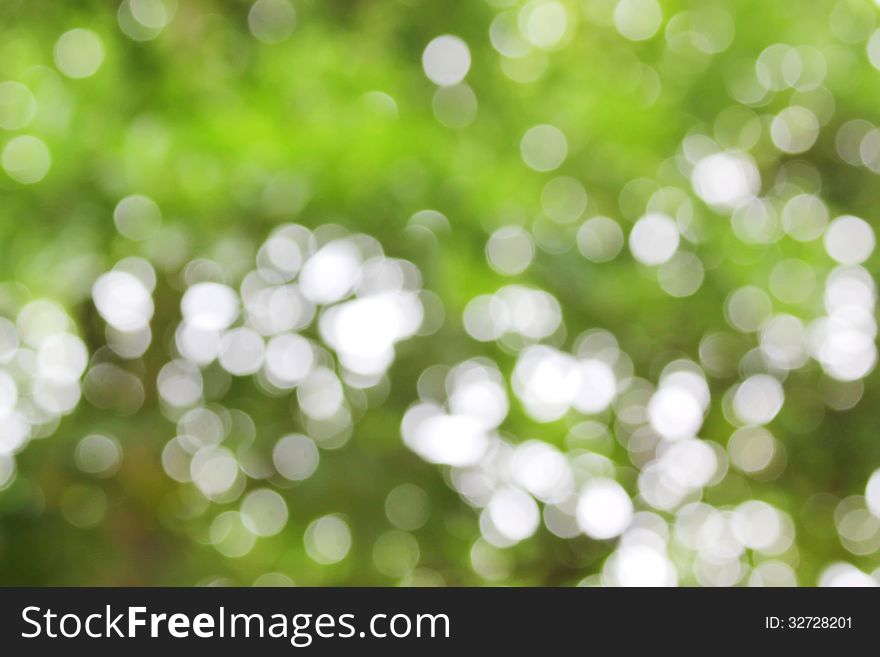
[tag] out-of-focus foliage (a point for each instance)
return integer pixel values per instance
(613, 323)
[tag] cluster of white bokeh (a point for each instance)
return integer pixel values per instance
(42, 361)
(362, 304)
(575, 491)
(457, 423)
(659, 425)
(515, 315)
(460, 423)
(842, 340)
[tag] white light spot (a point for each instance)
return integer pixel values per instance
(792, 281)
(153, 14)
(295, 457)
(272, 21)
(180, 383)
(542, 470)
(214, 470)
(688, 464)
(264, 512)
(600, 239)
(752, 449)
(363, 331)
(748, 308)
(143, 20)
(79, 53)
(546, 382)
(56, 398)
(123, 301)
(457, 440)
(209, 306)
(675, 413)
(456, 106)
(681, 275)
(320, 396)
(844, 349)
(478, 394)
(328, 539)
(200, 427)
(783, 342)
(137, 217)
(289, 359)
(597, 386)
(773, 573)
(845, 575)
(332, 273)
(17, 105)
(805, 217)
(98, 455)
(229, 535)
(756, 222)
(62, 359)
(544, 23)
(726, 180)
(241, 351)
(794, 130)
(283, 252)
(757, 525)
(563, 199)
(176, 461)
(758, 399)
(638, 20)
(543, 147)
(199, 346)
(506, 35)
(849, 240)
(514, 514)
(654, 239)
(604, 510)
(446, 60)
(510, 250)
(41, 319)
(26, 159)
(639, 565)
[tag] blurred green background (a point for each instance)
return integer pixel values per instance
(748, 127)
